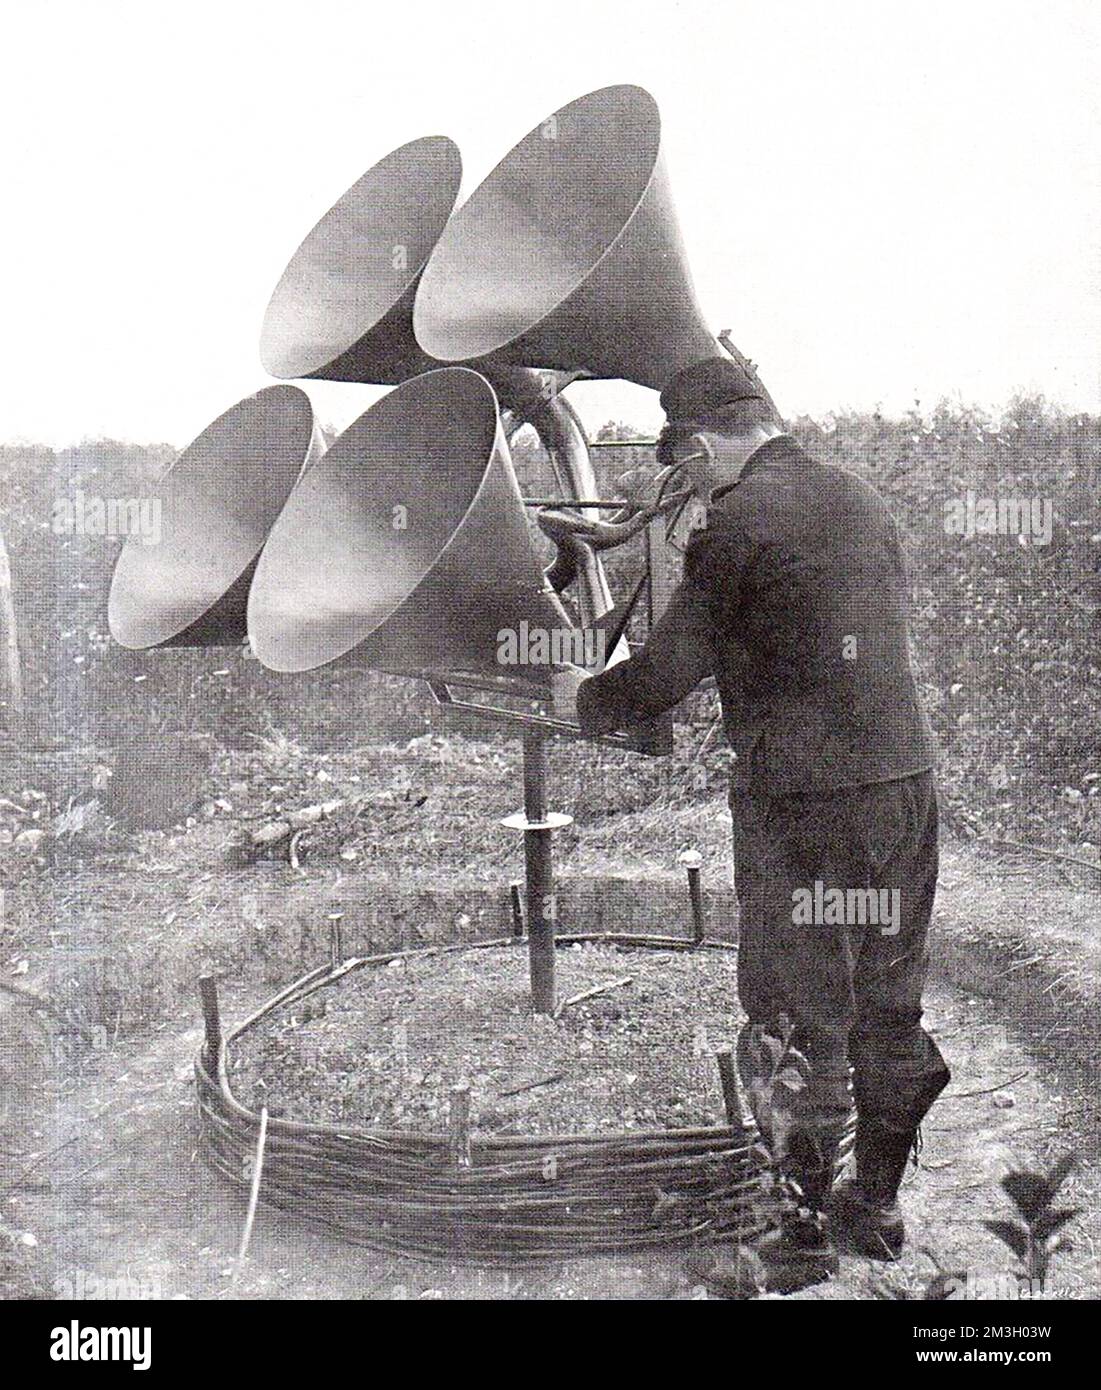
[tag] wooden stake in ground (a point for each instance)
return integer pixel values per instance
(254, 1192)
(459, 1125)
(11, 671)
(728, 1077)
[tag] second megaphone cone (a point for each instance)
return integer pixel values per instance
(407, 547)
(343, 309)
(568, 255)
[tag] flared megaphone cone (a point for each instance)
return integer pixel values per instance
(344, 306)
(185, 583)
(407, 547)
(568, 256)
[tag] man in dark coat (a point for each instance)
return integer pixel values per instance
(794, 598)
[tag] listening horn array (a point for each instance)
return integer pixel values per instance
(344, 305)
(568, 256)
(406, 548)
(188, 586)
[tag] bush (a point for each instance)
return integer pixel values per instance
(1005, 637)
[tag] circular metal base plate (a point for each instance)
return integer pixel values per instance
(555, 820)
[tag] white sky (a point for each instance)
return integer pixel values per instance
(882, 200)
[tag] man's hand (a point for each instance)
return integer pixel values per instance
(566, 681)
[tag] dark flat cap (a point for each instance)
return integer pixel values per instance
(708, 386)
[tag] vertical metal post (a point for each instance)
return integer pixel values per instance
(538, 825)
(692, 860)
(695, 893)
(539, 871)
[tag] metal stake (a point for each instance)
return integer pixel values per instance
(692, 860)
(538, 826)
(539, 870)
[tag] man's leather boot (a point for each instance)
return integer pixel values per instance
(864, 1214)
(793, 1255)
(797, 1252)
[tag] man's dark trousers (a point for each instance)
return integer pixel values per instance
(852, 990)
(795, 598)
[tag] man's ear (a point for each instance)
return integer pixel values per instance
(697, 458)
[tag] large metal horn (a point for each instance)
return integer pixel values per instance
(187, 585)
(407, 547)
(343, 307)
(568, 256)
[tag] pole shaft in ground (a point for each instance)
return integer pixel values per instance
(539, 867)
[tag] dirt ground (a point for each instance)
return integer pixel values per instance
(104, 1192)
(129, 1200)
(384, 1045)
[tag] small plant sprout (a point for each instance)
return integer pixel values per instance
(1034, 1235)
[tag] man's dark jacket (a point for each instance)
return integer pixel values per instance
(794, 597)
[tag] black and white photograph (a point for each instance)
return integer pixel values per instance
(550, 667)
